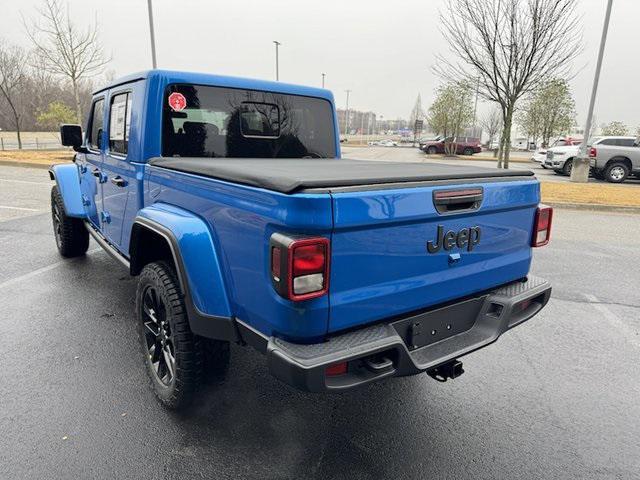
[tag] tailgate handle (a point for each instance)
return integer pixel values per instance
(460, 200)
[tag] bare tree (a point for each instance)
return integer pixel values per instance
(13, 81)
(512, 46)
(492, 123)
(64, 49)
(417, 113)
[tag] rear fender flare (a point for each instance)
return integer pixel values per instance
(67, 179)
(197, 264)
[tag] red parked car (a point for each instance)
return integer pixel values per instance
(464, 145)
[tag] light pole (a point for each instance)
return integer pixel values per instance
(346, 115)
(153, 38)
(277, 66)
(323, 75)
(581, 164)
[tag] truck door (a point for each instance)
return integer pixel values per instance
(90, 163)
(120, 184)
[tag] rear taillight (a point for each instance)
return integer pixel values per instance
(593, 152)
(542, 226)
(299, 266)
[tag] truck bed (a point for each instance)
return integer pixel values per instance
(291, 175)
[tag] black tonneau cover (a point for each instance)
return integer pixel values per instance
(289, 175)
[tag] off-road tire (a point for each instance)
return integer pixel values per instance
(192, 354)
(615, 167)
(72, 238)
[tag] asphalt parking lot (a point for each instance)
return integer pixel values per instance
(555, 398)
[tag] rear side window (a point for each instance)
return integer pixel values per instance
(626, 142)
(206, 121)
(119, 120)
(97, 124)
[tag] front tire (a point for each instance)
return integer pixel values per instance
(174, 357)
(567, 167)
(72, 238)
(616, 172)
(432, 150)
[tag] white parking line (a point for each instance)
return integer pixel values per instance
(614, 320)
(39, 271)
(8, 207)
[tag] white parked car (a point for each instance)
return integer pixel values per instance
(540, 156)
(560, 159)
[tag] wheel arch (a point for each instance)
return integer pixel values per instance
(164, 232)
(67, 179)
(620, 159)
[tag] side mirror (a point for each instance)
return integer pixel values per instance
(71, 136)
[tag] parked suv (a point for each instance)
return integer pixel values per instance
(614, 158)
(464, 145)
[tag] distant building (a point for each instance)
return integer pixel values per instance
(365, 121)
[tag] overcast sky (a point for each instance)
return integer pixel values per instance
(382, 51)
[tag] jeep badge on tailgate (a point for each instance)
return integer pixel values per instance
(469, 237)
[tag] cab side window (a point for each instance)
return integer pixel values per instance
(119, 120)
(97, 125)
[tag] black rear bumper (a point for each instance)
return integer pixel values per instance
(406, 346)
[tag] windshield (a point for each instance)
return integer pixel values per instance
(205, 121)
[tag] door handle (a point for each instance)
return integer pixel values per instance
(118, 181)
(102, 177)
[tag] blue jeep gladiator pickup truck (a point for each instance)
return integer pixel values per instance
(228, 198)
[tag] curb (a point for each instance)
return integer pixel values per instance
(481, 158)
(594, 207)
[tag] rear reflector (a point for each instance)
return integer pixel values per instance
(275, 262)
(336, 369)
(542, 226)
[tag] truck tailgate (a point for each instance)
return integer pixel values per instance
(381, 265)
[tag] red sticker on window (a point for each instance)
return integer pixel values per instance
(177, 101)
